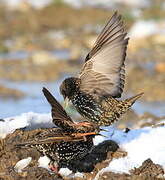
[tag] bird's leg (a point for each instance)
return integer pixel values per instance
(86, 124)
(77, 135)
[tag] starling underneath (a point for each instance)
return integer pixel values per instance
(96, 155)
(102, 77)
(60, 148)
(65, 143)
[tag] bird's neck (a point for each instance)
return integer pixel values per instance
(74, 88)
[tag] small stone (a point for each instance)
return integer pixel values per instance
(22, 164)
(119, 153)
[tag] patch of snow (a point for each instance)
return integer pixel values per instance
(22, 164)
(80, 175)
(28, 120)
(82, 3)
(108, 3)
(135, 3)
(43, 162)
(34, 3)
(140, 144)
(98, 139)
(65, 172)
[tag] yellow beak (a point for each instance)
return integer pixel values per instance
(66, 102)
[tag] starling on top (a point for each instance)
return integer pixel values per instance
(102, 77)
(65, 143)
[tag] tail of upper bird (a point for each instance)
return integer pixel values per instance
(125, 105)
(132, 100)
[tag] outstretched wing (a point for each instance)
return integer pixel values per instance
(103, 74)
(59, 115)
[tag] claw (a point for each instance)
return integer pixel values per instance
(53, 168)
(105, 130)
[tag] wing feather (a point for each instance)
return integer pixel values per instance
(59, 115)
(103, 74)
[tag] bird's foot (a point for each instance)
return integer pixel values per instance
(53, 168)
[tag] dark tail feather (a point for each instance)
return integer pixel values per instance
(50, 98)
(134, 98)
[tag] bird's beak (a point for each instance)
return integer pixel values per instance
(66, 102)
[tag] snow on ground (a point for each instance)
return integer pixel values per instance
(108, 3)
(34, 3)
(22, 164)
(43, 162)
(80, 3)
(29, 120)
(140, 144)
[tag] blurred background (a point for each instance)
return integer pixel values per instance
(44, 41)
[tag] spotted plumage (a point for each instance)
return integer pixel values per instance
(60, 148)
(102, 77)
(78, 156)
(69, 142)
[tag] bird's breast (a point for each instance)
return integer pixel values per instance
(87, 106)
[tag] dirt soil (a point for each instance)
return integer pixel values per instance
(10, 155)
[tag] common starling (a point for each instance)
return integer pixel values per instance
(60, 148)
(102, 77)
(77, 155)
(66, 143)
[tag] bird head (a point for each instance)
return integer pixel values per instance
(68, 88)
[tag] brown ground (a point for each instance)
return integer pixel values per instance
(9, 92)
(28, 71)
(150, 82)
(30, 31)
(10, 155)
